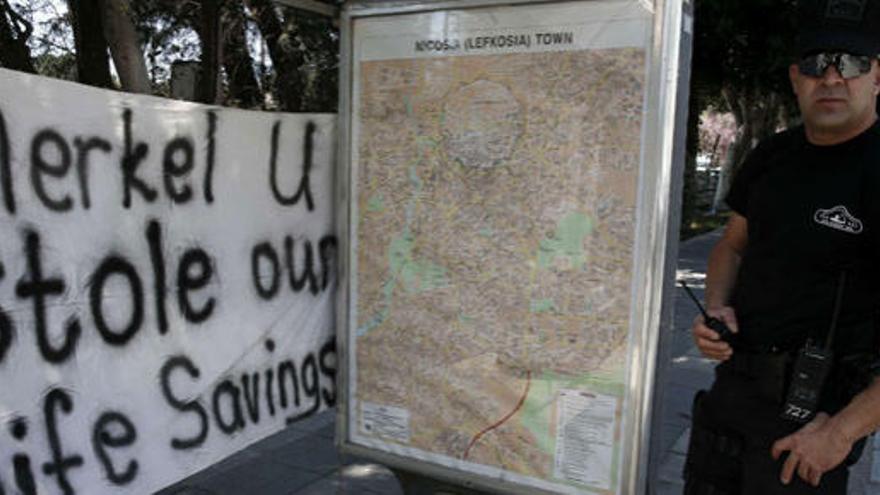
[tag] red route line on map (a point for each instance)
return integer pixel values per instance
(501, 421)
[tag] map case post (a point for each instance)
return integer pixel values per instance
(505, 170)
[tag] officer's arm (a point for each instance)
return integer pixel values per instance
(861, 417)
(724, 262)
(823, 444)
(721, 275)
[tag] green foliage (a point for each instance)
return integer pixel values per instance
(170, 31)
(321, 40)
(45, 39)
(58, 66)
(743, 45)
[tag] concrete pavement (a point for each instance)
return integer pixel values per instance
(301, 460)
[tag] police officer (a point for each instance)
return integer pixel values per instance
(799, 251)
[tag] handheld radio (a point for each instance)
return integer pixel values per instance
(811, 369)
(716, 324)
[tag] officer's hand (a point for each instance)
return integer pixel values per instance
(813, 450)
(707, 340)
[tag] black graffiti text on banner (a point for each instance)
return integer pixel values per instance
(142, 286)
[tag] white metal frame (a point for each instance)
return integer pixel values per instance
(311, 6)
(651, 245)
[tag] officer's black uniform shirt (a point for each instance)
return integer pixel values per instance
(811, 213)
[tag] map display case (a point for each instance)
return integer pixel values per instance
(505, 170)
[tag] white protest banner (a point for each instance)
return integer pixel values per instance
(166, 284)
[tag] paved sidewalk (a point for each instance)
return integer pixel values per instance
(302, 460)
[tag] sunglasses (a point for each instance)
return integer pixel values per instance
(847, 64)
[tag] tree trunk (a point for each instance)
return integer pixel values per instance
(209, 33)
(128, 57)
(286, 56)
(92, 64)
(14, 33)
(237, 61)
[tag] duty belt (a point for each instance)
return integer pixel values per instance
(769, 371)
(760, 365)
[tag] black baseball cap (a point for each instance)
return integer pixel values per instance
(851, 26)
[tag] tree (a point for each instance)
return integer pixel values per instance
(14, 34)
(741, 54)
(169, 32)
(125, 47)
(92, 64)
(210, 34)
(321, 41)
(244, 89)
(145, 37)
(287, 57)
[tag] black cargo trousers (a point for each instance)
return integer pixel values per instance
(734, 426)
